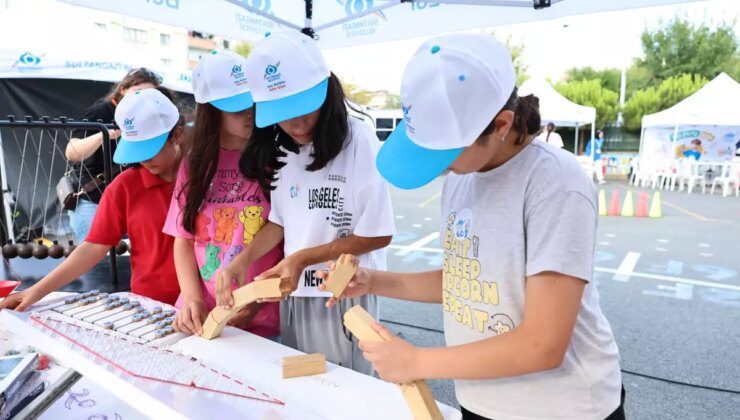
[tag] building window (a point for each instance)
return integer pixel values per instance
(164, 39)
(167, 62)
(135, 35)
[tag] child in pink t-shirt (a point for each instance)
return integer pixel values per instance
(215, 210)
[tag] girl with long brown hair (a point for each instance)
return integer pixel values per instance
(216, 210)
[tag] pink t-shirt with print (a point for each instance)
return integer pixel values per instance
(234, 209)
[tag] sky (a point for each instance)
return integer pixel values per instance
(550, 47)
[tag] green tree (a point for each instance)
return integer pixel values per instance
(653, 99)
(393, 101)
(356, 94)
(680, 47)
(243, 49)
(520, 67)
(638, 78)
(592, 93)
(610, 78)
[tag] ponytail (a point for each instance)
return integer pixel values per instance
(527, 118)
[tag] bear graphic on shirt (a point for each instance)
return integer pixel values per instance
(201, 228)
(233, 251)
(225, 224)
(212, 262)
(251, 218)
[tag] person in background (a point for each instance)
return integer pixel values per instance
(134, 204)
(550, 136)
(85, 151)
(593, 150)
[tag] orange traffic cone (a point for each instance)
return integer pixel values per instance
(642, 208)
(614, 209)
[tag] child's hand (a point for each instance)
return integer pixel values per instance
(394, 359)
(21, 301)
(244, 317)
(359, 285)
(235, 272)
(190, 317)
(289, 271)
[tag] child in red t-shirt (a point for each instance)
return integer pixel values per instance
(135, 203)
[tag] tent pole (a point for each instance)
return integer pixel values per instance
(308, 26)
(642, 137)
(575, 148)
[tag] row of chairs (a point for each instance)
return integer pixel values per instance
(666, 173)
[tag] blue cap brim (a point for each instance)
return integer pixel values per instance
(302, 103)
(236, 103)
(406, 165)
(138, 151)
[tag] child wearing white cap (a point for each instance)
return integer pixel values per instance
(135, 203)
(216, 210)
(329, 198)
(526, 337)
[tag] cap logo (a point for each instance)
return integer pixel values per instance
(274, 77)
(238, 75)
(128, 127)
(407, 118)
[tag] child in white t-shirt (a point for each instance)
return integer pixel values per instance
(526, 338)
(329, 198)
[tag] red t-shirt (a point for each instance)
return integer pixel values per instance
(136, 202)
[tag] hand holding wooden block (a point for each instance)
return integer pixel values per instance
(304, 365)
(417, 394)
(340, 276)
(243, 296)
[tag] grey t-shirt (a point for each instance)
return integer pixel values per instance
(535, 213)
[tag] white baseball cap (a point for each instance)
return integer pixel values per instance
(145, 118)
(451, 90)
(288, 77)
(220, 79)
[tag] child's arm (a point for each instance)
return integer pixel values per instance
(293, 265)
(264, 241)
(420, 287)
(78, 263)
(193, 312)
(538, 343)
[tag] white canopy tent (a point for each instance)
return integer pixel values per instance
(339, 23)
(710, 115)
(50, 49)
(558, 109)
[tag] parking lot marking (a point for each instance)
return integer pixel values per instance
(672, 278)
(430, 199)
(627, 266)
(418, 245)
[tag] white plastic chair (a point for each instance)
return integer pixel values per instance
(670, 175)
(689, 172)
(729, 174)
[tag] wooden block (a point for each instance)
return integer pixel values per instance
(304, 365)
(417, 394)
(342, 273)
(243, 296)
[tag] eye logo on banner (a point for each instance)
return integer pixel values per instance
(355, 7)
(366, 23)
(261, 5)
(28, 62)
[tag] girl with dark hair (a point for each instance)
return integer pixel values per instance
(328, 200)
(525, 334)
(134, 204)
(85, 150)
(550, 136)
(216, 211)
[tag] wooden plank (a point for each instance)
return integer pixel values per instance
(417, 394)
(243, 296)
(342, 273)
(304, 365)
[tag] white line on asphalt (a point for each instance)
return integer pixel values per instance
(416, 225)
(627, 266)
(610, 235)
(604, 243)
(418, 244)
(704, 245)
(663, 241)
(706, 254)
(430, 199)
(427, 219)
(613, 271)
(673, 279)
(399, 216)
(659, 249)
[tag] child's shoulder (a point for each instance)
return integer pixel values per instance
(558, 169)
